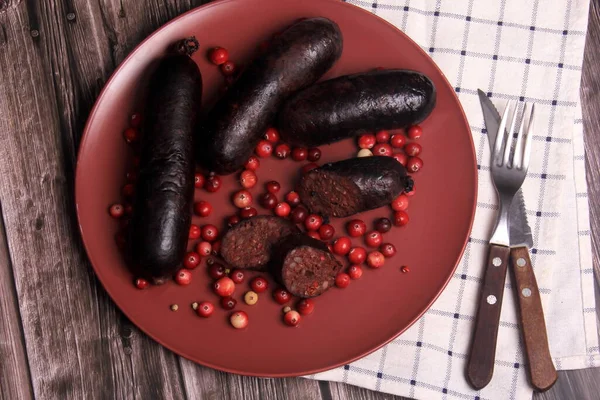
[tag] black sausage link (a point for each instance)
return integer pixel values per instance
(352, 105)
(164, 192)
(354, 185)
(296, 58)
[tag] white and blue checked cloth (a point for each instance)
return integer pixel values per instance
(514, 49)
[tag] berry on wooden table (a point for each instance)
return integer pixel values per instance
(141, 283)
(205, 309)
(259, 284)
(272, 135)
(252, 164)
(292, 318)
(268, 200)
(191, 260)
(228, 303)
(183, 277)
(218, 55)
(388, 250)
(116, 210)
(356, 227)
(373, 239)
(375, 259)
(326, 232)
(400, 218)
(341, 246)
(342, 280)
(357, 255)
(400, 203)
(213, 184)
(209, 233)
(224, 286)
(248, 179)
(355, 271)
(414, 132)
(305, 306)
(313, 222)
(383, 225)
(239, 320)
(281, 296)
(382, 136)
(264, 148)
(314, 154)
(204, 248)
(202, 208)
(273, 187)
(397, 141)
(367, 141)
(199, 180)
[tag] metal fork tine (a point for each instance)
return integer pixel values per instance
(528, 140)
(510, 135)
(518, 156)
(500, 136)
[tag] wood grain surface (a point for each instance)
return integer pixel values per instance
(61, 337)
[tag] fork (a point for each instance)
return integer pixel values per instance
(508, 173)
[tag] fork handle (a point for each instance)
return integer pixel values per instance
(480, 367)
(541, 369)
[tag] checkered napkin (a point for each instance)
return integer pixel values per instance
(529, 50)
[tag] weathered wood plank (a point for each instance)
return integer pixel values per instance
(340, 391)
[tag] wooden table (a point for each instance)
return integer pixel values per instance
(60, 334)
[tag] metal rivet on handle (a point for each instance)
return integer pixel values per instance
(497, 261)
(526, 292)
(71, 16)
(491, 299)
(521, 262)
(35, 33)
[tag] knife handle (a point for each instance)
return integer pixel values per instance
(542, 371)
(480, 366)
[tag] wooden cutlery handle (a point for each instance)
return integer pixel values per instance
(542, 371)
(480, 366)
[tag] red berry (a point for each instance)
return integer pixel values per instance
(326, 232)
(204, 248)
(248, 179)
(342, 280)
(401, 158)
(357, 255)
(413, 149)
(228, 68)
(309, 167)
(272, 135)
(131, 135)
(213, 183)
(305, 306)
(210, 233)
(314, 235)
(405, 269)
(282, 151)
(281, 296)
(141, 283)
(199, 180)
(216, 271)
(400, 218)
(239, 320)
(313, 222)
(293, 198)
(252, 164)
(218, 55)
(233, 220)
(282, 209)
(330, 247)
(224, 286)
(248, 212)
(264, 148)
(412, 191)
(314, 154)
(342, 245)
(259, 284)
(183, 277)
(388, 250)
(397, 141)
(205, 309)
(400, 203)
(116, 210)
(135, 120)
(382, 136)
(228, 303)
(299, 154)
(355, 271)
(131, 176)
(237, 276)
(383, 225)
(292, 318)
(242, 198)
(383, 149)
(375, 259)
(195, 232)
(414, 132)
(191, 260)
(414, 164)
(367, 141)
(268, 200)
(298, 215)
(216, 247)
(356, 228)
(128, 190)
(273, 187)
(202, 208)
(373, 239)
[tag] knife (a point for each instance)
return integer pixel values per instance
(541, 369)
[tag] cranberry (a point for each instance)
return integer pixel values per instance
(313, 222)
(291, 318)
(141, 283)
(216, 247)
(415, 132)
(228, 68)
(204, 248)
(383, 149)
(281, 296)
(135, 120)
(373, 239)
(412, 191)
(228, 302)
(233, 220)
(218, 55)
(375, 259)
(273, 187)
(397, 141)
(383, 225)
(131, 135)
(116, 210)
(330, 247)
(251, 298)
(282, 209)
(129, 208)
(413, 149)
(264, 148)
(131, 176)
(342, 245)
(272, 135)
(183, 277)
(242, 198)
(216, 271)
(400, 218)
(292, 198)
(305, 306)
(128, 190)
(213, 183)
(414, 164)
(205, 309)
(299, 154)
(248, 212)
(202, 208)
(356, 228)
(237, 276)
(355, 271)
(298, 215)
(259, 284)
(199, 180)
(309, 167)
(282, 151)
(195, 232)
(388, 250)
(357, 255)
(224, 286)
(268, 201)
(210, 233)
(342, 280)
(248, 179)
(314, 235)
(252, 164)
(326, 232)
(239, 320)
(314, 154)
(401, 158)
(400, 203)
(191, 260)
(404, 269)
(382, 137)
(367, 141)
(364, 153)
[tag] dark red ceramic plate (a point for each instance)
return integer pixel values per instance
(347, 324)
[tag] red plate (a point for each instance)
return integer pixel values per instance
(347, 324)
